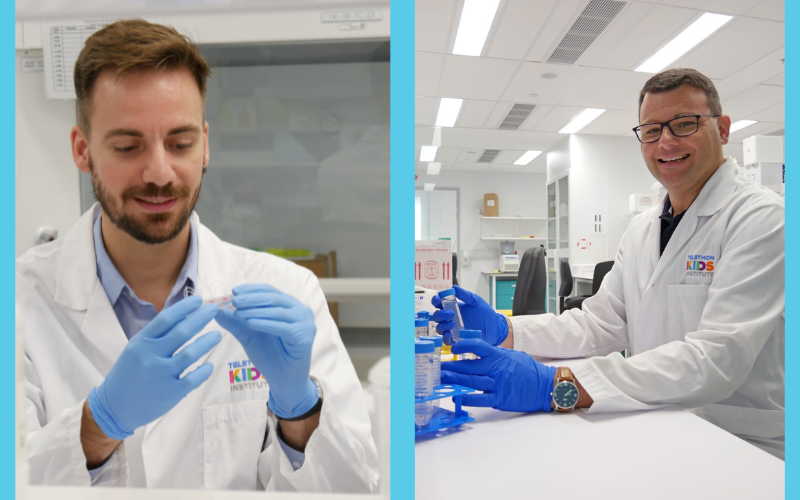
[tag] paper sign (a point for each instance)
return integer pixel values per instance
(433, 264)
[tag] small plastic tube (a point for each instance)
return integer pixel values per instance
(423, 381)
(469, 334)
(437, 358)
(450, 303)
(431, 323)
(222, 302)
(420, 327)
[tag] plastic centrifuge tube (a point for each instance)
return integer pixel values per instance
(469, 334)
(423, 381)
(225, 301)
(450, 303)
(431, 324)
(437, 358)
(420, 327)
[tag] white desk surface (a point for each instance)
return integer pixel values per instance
(355, 289)
(664, 454)
(75, 493)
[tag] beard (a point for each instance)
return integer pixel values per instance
(154, 228)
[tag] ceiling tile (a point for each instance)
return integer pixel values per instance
(755, 129)
(469, 155)
(507, 156)
(504, 168)
(534, 169)
(604, 88)
(727, 51)
(475, 139)
(474, 113)
(735, 7)
(425, 110)
(517, 27)
(446, 153)
(539, 112)
(557, 118)
(768, 9)
(612, 122)
(475, 77)
(528, 80)
(428, 69)
(559, 21)
(628, 19)
(643, 40)
(775, 113)
(629, 103)
(779, 79)
(760, 71)
(432, 22)
(470, 167)
(498, 114)
(753, 100)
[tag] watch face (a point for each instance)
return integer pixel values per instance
(565, 394)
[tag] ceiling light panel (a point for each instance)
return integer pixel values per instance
(434, 168)
(685, 41)
(427, 153)
(739, 125)
(584, 118)
(594, 19)
(429, 186)
(448, 112)
(527, 157)
(473, 28)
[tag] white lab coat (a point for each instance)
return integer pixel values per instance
(711, 341)
(213, 438)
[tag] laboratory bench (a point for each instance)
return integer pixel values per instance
(80, 493)
(662, 454)
(501, 289)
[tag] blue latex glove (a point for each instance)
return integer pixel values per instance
(277, 332)
(145, 382)
(477, 315)
(510, 380)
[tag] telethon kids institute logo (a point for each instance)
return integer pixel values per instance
(243, 376)
(700, 265)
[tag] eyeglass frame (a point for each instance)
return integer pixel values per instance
(667, 123)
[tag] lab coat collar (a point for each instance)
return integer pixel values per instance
(719, 187)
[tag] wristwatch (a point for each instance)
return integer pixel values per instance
(565, 391)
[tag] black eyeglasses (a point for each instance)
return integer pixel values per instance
(679, 127)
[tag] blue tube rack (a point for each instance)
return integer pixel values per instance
(441, 418)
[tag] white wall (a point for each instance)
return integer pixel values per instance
(47, 192)
(519, 195)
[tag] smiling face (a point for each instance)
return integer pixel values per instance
(683, 164)
(148, 145)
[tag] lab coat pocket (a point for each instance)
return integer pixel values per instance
(232, 438)
(686, 304)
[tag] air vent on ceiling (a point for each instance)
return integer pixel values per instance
(488, 155)
(518, 114)
(589, 25)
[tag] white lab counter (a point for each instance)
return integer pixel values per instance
(664, 454)
(355, 289)
(74, 493)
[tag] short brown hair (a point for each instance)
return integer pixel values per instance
(671, 79)
(133, 45)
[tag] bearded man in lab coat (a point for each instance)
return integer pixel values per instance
(128, 383)
(696, 294)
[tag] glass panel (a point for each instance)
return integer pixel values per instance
(563, 212)
(551, 234)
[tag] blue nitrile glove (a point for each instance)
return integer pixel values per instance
(277, 332)
(477, 315)
(510, 380)
(145, 382)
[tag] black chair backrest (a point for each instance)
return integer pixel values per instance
(530, 295)
(455, 268)
(600, 271)
(566, 279)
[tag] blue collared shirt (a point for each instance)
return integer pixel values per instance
(134, 314)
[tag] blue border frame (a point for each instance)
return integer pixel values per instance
(792, 16)
(402, 248)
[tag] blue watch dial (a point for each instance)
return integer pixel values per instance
(565, 394)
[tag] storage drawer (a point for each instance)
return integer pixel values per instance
(506, 287)
(505, 302)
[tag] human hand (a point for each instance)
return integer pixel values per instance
(277, 332)
(477, 315)
(145, 381)
(510, 380)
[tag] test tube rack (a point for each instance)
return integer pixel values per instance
(441, 418)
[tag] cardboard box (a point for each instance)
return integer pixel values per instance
(323, 266)
(491, 205)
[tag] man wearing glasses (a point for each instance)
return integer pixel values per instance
(696, 294)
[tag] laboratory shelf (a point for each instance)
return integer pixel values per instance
(441, 418)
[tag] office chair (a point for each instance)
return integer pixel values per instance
(565, 289)
(531, 291)
(455, 268)
(600, 271)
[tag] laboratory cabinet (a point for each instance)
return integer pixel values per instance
(558, 243)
